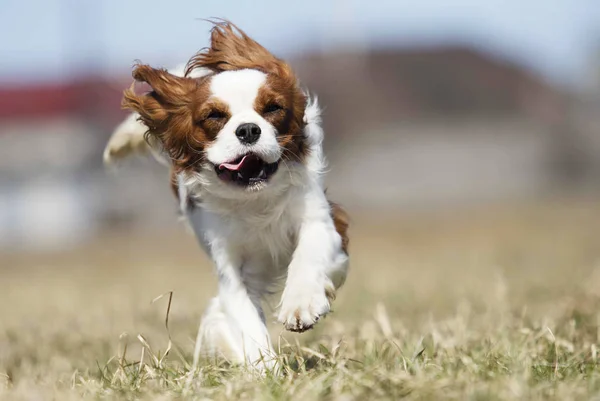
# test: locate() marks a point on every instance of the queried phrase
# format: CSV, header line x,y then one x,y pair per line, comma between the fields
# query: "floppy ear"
x,y
231,49
170,94
166,110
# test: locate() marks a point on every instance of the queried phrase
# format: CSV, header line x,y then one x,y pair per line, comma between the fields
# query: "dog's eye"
x,y
216,115
272,108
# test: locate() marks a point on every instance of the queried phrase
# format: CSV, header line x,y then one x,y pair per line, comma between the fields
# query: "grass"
x,y
490,304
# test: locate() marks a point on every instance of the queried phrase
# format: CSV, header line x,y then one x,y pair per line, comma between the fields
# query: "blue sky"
x,y
55,39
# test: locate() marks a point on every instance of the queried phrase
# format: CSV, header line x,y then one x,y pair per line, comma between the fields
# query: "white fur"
x,y
257,239
238,89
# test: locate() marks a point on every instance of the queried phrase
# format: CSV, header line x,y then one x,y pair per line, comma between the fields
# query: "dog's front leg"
x,y
318,267
233,325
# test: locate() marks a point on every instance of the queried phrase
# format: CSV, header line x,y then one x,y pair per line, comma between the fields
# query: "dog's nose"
x,y
248,133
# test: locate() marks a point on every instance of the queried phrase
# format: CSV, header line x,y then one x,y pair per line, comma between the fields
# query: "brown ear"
x,y
166,110
231,49
170,94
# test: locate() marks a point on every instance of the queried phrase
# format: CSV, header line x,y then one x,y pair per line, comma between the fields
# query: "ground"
x,y
493,303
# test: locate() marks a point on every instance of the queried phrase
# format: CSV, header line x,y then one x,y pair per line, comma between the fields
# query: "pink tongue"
x,y
233,167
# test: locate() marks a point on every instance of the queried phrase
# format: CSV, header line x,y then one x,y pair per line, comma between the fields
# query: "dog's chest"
x,y
273,237
269,236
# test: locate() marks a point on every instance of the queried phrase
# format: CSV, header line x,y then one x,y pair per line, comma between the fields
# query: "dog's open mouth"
x,y
246,170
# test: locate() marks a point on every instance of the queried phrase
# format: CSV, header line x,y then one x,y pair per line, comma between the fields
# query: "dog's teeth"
x,y
263,174
239,176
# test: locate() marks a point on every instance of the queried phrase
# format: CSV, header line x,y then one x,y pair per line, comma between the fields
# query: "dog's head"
x,y
232,127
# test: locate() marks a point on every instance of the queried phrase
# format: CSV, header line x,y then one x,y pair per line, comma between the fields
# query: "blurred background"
x,y
427,104
463,138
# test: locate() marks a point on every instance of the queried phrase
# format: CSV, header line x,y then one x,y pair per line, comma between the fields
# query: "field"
x,y
496,303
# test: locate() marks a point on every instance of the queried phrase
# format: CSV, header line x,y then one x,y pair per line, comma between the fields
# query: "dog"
x,y
244,145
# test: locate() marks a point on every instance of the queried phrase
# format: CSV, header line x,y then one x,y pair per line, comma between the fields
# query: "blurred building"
x,y
54,189
450,124
403,126
414,83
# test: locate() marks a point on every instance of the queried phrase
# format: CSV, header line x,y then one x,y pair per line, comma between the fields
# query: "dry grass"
x,y
490,304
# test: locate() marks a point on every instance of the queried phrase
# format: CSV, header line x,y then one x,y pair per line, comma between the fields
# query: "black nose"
x,y
248,133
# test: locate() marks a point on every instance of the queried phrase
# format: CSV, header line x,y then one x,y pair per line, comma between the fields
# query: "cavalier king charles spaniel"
x,y
244,145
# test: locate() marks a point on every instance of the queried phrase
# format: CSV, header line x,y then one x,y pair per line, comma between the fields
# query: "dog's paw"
x,y
302,308
128,138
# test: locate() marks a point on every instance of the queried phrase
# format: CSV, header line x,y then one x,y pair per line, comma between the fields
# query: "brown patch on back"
x,y
341,220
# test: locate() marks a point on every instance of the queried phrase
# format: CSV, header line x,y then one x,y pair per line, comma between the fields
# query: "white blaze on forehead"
x,y
238,89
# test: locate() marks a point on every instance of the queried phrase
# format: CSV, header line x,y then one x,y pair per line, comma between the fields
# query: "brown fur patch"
x,y
341,221
231,49
282,104
177,113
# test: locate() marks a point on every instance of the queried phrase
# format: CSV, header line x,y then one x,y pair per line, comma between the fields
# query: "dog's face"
x,y
233,127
